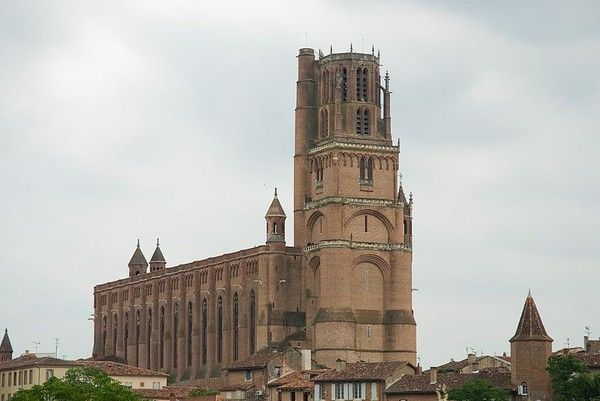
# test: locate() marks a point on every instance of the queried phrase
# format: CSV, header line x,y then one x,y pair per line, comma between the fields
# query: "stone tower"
x,y
138,264
6,350
351,218
530,349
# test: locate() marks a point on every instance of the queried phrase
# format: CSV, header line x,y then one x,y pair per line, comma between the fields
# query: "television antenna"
x,y
36,344
56,341
588,331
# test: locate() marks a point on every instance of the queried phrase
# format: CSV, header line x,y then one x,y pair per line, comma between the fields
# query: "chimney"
x,y
473,363
340,365
586,342
433,375
306,359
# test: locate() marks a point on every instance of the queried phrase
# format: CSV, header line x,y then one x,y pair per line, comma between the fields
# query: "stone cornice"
x,y
353,146
343,200
358,245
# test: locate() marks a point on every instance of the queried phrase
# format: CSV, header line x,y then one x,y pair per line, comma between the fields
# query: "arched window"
x,y
219,329
370,169
364,85
326,86
344,84
204,330
252,324
362,121
148,336
103,334
137,337
175,326
189,334
125,334
114,337
524,389
363,168
161,340
235,325
324,125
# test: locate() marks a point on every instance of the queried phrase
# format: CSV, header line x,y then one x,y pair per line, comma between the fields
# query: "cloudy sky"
x,y
121,120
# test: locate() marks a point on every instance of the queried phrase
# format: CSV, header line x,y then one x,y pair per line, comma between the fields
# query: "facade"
x,y
344,289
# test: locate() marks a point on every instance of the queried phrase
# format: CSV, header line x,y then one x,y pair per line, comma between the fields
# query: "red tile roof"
x,y
120,369
409,384
164,393
32,360
297,380
258,360
362,371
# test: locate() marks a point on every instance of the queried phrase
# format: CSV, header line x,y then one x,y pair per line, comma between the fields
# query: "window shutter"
x,y
351,391
374,395
347,390
363,387
317,393
333,391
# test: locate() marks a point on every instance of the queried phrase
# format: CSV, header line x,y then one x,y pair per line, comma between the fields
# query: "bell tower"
x,y
351,217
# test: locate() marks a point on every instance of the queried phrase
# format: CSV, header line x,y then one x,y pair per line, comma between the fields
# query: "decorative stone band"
x,y
363,316
343,200
357,245
353,146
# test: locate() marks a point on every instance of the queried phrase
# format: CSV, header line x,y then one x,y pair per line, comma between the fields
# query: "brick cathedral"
x,y
343,290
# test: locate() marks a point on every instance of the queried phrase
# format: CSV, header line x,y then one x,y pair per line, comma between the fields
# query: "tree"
x,y
572,380
79,384
478,390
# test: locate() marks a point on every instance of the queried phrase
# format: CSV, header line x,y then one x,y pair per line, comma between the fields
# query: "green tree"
x,y
79,384
572,380
477,390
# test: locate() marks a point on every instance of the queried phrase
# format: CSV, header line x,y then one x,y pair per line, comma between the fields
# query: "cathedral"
x,y
342,290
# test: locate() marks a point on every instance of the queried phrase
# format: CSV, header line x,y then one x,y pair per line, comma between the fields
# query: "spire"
x,y
275,210
157,256
5,346
530,325
401,196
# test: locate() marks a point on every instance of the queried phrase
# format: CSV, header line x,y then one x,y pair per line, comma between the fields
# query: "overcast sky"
x,y
175,119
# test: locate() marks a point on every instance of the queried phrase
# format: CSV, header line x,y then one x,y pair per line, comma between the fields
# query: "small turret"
x,y
6,350
138,264
275,221
157,262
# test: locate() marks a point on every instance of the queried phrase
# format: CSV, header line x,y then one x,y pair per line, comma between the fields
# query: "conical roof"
x,y
6,346
138,257
275,210
530,325
157,256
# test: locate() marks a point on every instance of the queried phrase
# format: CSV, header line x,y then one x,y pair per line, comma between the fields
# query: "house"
x,y
474,363
424,387
248,378
28,370
130,376
359,380
295,386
